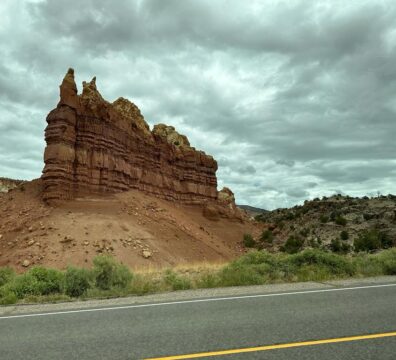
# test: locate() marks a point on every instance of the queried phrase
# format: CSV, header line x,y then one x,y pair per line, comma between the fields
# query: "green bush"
x,y
77,281
340,220
292,245
335,264
304,232
108,273
248,241
38,281
335,245
177,282
289,216
324,219
49,281
388,260
339,247
6,275
7,296
371,240
237,274
344,235
24,285
267,236
257,267
368,216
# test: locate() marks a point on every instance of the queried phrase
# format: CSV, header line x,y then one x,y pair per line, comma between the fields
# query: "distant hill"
x,y
332,223
251,210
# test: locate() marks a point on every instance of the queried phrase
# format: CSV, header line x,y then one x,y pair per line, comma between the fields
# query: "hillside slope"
x,y
320,222
140,230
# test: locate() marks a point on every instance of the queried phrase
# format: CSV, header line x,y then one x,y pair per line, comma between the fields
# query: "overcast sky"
x,y
295,99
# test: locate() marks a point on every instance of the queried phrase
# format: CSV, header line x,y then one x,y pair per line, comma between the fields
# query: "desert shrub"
x,y
368,265
280,225
37,281
339,247
335,245
7,296
334,264
340,220
293,245
267,236
371,240
388,260
6,275
344,235
254,268
304,232
289,216
177,282
108,273
386,241
248,241
77,281
237,274
314,243
24,285
256,258
49,281
367,216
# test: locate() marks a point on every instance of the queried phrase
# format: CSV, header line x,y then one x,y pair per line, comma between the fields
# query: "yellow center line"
x,y
277,346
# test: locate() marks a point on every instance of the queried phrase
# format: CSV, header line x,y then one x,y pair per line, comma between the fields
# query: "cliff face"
x,y
94,146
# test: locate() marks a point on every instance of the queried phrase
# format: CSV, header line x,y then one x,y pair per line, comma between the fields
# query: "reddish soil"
x,y
127,225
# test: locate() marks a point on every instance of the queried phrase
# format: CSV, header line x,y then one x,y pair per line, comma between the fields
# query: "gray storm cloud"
x,y
294,98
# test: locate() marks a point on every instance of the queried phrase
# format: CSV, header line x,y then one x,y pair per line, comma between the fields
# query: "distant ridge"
x,y
251,210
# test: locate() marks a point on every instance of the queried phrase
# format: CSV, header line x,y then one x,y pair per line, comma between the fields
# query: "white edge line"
x,y
195,301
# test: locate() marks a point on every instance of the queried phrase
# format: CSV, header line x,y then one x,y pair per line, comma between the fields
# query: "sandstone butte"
x,y
94,146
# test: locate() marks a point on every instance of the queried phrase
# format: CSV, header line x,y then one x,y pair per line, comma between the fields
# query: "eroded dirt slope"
x,y
140,230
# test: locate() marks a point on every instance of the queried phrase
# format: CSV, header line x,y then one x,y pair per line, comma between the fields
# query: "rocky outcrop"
x,y
7,185
224,207
94,146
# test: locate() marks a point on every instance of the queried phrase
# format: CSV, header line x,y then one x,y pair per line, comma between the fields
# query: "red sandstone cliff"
x,y
94,146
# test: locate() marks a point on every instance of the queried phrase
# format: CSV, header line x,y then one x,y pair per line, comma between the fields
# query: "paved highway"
x,y
359,321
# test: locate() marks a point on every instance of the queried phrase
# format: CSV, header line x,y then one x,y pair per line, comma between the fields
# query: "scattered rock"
x,y
147,254
26,263
66,239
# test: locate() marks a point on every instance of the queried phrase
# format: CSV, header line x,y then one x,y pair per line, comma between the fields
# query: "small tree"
x,y
340,220
293,245
248,241
267,236
344,235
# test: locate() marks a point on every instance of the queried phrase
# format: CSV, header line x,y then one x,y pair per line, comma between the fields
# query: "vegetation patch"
x,y
108,278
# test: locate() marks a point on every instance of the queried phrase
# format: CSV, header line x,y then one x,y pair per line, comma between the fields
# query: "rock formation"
x,y
94,146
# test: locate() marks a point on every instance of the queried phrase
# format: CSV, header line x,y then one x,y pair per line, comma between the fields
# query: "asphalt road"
x,y
210,325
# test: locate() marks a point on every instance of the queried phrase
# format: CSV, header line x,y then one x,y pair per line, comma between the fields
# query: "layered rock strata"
x,y
94,146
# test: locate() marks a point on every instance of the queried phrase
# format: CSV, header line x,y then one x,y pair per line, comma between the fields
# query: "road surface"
x,y
358,319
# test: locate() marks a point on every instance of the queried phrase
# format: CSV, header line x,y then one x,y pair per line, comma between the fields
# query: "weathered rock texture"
x,y
9,184
94,146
